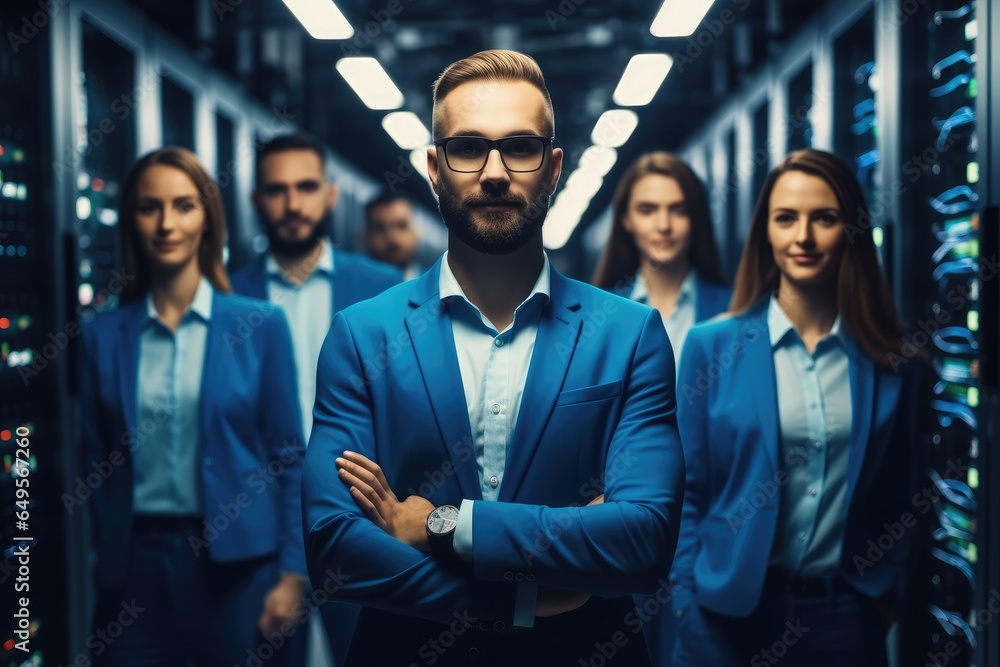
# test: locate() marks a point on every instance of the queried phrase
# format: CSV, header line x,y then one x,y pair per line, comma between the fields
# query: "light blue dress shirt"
x,y
679,323
309,309
166,470
494,366
814,410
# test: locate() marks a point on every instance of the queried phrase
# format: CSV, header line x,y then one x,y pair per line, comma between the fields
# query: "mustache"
x,y
484,200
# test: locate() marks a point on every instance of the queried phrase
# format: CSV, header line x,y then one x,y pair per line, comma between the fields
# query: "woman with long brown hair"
x,y
662,248
797,417
189,400
662,253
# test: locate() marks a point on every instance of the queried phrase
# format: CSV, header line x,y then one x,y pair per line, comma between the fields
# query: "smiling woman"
x,y
825,383
176,217
165,365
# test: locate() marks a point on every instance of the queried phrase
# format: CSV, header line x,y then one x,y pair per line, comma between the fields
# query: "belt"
x,y
781,581
164,523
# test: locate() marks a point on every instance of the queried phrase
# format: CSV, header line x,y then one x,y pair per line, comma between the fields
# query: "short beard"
x,y
295,248
499,233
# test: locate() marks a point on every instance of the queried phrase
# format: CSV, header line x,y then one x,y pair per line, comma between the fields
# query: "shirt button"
x,y
817,446
496,408
494,482
802,537
813,491
207,460
498,342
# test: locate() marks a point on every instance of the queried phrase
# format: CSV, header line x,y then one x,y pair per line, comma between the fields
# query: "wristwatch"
x,y
441,524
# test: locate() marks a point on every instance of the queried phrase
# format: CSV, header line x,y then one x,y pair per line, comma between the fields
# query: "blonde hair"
x,y
492,65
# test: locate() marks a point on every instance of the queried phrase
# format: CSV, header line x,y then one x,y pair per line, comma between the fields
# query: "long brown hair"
x,y
863,298
619,261
212,241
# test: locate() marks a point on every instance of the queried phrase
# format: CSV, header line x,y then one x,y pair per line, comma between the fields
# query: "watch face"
x,y
443,520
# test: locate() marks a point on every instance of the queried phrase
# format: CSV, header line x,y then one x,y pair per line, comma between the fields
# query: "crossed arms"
x,y
619,547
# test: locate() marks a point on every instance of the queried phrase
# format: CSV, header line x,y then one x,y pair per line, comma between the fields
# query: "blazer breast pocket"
x,y
588,394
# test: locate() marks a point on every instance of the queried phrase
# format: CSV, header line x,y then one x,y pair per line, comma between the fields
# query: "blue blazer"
x,y
356,278
729,424
250,435
597,416
712,298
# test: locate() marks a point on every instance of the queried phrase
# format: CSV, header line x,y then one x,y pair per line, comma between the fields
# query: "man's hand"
x,y
553,601
406,520
281,603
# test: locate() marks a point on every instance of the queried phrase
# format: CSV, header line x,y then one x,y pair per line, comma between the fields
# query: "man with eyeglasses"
x,y
508,469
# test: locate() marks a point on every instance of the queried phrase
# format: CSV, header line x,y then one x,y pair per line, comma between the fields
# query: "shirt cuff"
x,y
524,605
462,540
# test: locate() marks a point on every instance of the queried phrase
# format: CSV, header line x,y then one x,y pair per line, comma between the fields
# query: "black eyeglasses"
x,y
520,153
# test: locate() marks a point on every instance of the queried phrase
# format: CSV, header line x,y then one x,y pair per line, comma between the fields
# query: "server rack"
x,y
33,346
905,90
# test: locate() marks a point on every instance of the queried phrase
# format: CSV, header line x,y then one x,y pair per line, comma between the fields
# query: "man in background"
x,y
310,281
389,233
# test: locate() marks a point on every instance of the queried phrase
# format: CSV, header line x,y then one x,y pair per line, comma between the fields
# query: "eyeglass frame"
x,y
494,145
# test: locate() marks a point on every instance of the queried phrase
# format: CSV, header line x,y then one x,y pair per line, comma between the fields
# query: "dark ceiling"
x,y
581,45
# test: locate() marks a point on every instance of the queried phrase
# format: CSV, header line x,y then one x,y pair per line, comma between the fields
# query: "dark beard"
x,y
493,233
297,248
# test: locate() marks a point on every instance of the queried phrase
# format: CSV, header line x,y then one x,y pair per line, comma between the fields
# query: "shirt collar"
x,y
324,263
200,306
640,290
780,327
448,287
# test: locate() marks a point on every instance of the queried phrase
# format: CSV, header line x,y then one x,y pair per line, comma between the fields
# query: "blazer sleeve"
x,y
692,417
373,568
625,545
281,426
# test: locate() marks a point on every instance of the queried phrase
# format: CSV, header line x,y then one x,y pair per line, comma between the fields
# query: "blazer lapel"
x,y
862,379
212,367
258,281
760,358
345,284
434,346
133,317
555,343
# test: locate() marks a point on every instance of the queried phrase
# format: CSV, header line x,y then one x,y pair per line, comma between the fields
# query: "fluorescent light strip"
x,y
679,18
418,158
406,130
371,83
642,78
614,127
321,18
598,159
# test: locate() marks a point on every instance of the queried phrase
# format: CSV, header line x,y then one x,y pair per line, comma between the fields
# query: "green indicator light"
x,y
878,234
972,172
972,320
973,553
973,478
973,397
973,88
